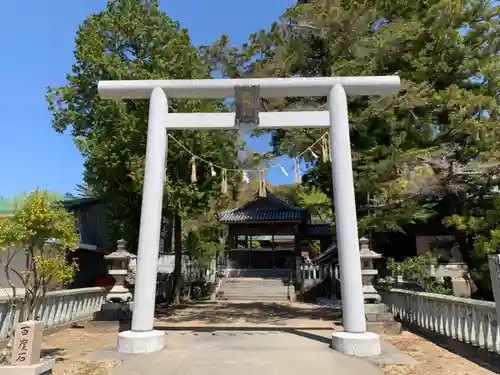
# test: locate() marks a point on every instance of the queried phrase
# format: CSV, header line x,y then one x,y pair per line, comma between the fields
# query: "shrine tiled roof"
x,y
318,230
327,255
269,208
256,216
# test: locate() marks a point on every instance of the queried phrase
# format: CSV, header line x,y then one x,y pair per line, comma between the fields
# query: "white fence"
x,y
470,321
311,272
166,265
60,307
317,272
193,273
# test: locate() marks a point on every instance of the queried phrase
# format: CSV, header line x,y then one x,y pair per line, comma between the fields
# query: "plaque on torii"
x,y
247,103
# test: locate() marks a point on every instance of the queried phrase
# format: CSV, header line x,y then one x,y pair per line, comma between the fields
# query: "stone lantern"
x,y
378,317
368,271
119,260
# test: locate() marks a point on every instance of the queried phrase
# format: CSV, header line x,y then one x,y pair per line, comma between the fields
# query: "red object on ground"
x,y
104,281
108,280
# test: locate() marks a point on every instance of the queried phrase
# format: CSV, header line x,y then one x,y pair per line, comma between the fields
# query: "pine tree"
x,y
445,115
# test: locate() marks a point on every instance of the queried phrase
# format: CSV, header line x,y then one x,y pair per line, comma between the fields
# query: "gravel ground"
x,y
432,359
71,346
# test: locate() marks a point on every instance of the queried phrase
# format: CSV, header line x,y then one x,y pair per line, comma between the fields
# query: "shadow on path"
x,y
302,332
249,312
53,353
256,328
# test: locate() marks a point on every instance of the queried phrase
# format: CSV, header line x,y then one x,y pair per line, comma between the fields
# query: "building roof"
x,y
327,255
318,230
72,203
269,208
9,206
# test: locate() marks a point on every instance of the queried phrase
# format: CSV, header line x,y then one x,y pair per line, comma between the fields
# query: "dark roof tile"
x,y
263,209
258,216
327,255
319,230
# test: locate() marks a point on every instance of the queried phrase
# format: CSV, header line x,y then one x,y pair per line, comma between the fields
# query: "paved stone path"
x,y
248,338
244,352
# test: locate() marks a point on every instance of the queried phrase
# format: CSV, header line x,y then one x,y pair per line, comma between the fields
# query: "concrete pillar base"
x,y
365,344
133,342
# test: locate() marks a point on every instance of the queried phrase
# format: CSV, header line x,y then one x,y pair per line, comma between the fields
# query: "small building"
x,y
91,224
268,234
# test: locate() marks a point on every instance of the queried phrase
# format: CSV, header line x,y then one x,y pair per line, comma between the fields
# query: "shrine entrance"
x,y
269,237
142,337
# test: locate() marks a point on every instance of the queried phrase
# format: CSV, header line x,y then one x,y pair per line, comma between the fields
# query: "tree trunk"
x,y
190,280
167,235
178,259
167,231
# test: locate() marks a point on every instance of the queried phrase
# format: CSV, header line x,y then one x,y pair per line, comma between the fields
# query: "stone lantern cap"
x,y
365,252
121,253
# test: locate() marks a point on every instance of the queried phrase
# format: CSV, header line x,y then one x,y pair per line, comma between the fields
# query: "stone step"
x,y
250,281
256,273
222,293
257,282
229,293
271,283
252,295
254,299
255,286
254,289
232,293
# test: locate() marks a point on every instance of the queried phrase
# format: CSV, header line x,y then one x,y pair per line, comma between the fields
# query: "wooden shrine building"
x,y
268,233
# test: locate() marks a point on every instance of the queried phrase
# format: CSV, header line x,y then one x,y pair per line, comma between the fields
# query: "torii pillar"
x,y
142,337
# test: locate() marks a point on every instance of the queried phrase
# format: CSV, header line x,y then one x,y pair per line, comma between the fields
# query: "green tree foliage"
x,y
308,197
85,191
9,205
432,148
444,51
201,249
43,234
127,41
417,269
480,227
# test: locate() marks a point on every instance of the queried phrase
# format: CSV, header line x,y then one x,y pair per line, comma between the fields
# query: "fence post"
x,y
494,266
298,269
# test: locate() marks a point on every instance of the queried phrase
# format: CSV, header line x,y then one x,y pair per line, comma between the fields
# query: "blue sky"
x,y
37,38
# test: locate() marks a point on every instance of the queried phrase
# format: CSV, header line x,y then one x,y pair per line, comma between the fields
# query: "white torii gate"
x,y
142,338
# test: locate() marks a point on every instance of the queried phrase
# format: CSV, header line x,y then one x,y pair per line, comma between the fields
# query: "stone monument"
x,y
25,358
378,318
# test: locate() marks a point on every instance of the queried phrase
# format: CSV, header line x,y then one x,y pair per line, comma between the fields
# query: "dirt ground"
x,y
432,359
71,346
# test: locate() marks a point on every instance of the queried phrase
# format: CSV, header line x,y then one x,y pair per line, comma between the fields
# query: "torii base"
x,y
133,342
365,344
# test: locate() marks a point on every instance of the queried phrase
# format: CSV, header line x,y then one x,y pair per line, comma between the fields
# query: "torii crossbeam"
x,y
142,337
